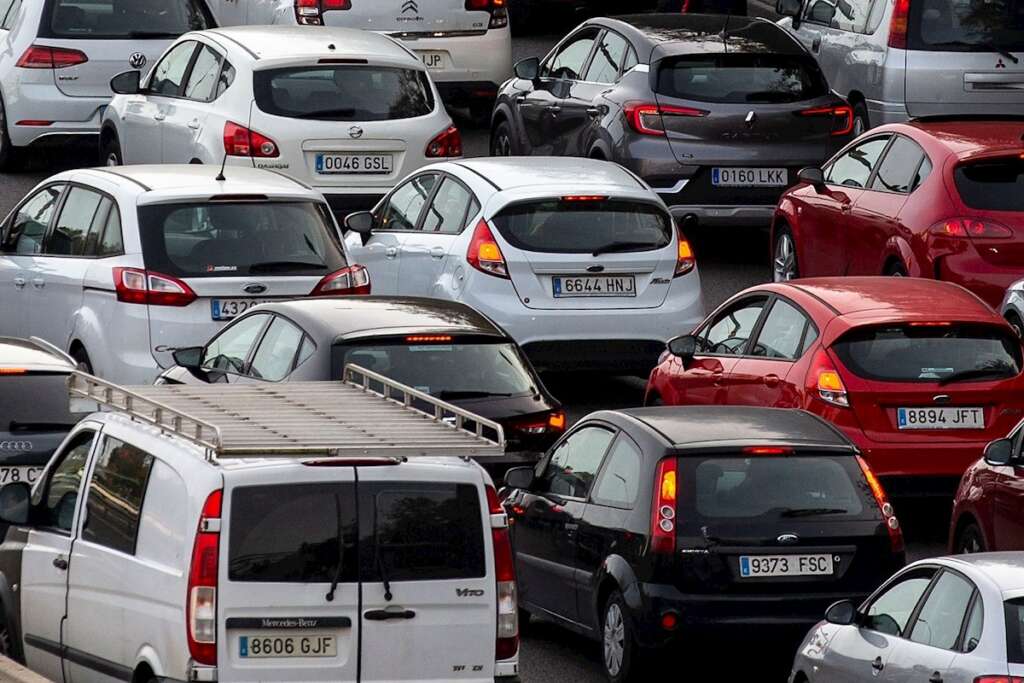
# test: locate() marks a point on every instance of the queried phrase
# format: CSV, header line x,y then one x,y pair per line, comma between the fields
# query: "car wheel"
x,y
9,157
501,141
860,119
969,540
784,266
111,153
896,269
82,361
1015,323
618,648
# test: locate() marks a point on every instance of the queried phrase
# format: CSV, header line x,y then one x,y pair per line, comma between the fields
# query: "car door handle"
x,y
877,664
389,614
846,208
771,380
553,108
38,282
936,677
159,116
391,252
194,124
60,563
594,112
19,282
437,252
520,99
816,44
717,376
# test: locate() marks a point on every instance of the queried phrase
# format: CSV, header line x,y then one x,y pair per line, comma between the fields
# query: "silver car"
x,y
1013,306
896,59
945,620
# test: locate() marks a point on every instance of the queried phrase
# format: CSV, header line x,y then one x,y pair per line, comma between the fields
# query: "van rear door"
x,y
417,16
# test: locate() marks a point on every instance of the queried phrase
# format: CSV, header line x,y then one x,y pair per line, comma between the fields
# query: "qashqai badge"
x,y
137,60
355,132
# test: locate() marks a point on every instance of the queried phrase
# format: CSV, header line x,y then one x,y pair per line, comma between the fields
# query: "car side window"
x,y
629,59
568,63
11,15
69,235
112,242
922,174
227,77
474,209
202,81
620,478
820,12
851,15
277,351
897,172
60,495
170,72
854,168
403,208
575,462
604,68
99,222
117,491
28,229
229,351
729,332
975,625
447,213
890,611
940,619
782,334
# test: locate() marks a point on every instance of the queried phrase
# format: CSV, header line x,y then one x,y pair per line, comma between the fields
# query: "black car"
x,y
442,348
642,526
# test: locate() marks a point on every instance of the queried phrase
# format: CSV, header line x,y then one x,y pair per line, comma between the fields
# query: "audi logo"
x,y
16,446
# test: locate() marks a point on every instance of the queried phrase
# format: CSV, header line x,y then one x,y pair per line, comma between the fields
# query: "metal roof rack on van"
x,y
366,414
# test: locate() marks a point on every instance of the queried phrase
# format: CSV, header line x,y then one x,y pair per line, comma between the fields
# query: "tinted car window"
x,y
901,353
939,621
90,246
898,170
203,80
992,185
111,243
730,330
741,78
170,72
851,15
291,533
25,236
116,494
582,227
230,349
604,68
575,462
966,25
48,411
57,508
76,217
227,77
975,625
239,239
447,212
402,211
854,168
277,352
891,611
1014,615
922,174
782,332
125,18
568,63
620,478
344,92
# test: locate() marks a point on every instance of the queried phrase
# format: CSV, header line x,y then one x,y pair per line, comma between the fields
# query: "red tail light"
x,y
554,424
970,228
663,512
484,253
42,57
310,12
447,144
888,514
685,260
201,604
647,119
842,117
506,643
997,678
898,24
137,286
354,279
768,450
239,141
497,8
825,383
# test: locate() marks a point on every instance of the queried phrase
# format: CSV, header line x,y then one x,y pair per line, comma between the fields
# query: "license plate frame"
x,y
560,291
354,163
439,60
236,305
10,474
785,566
749,176
253,646
910,417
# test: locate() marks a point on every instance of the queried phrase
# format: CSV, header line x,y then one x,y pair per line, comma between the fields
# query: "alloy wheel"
x,y
112,159
858,126
614,639
784,265
502,145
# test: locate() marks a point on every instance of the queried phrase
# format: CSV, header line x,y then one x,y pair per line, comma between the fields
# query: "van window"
x,y
92,19
741,78
1014,615
992,184
966,25
116,493
56,509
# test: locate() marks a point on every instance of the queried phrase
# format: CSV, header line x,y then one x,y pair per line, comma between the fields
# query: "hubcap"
x,y
858,126
971,545
614,640
503,146
784,267
112,160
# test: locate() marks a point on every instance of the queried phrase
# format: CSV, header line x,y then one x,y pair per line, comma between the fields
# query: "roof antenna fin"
x,y
220,176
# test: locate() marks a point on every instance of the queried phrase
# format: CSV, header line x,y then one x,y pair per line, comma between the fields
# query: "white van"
x,y
299,532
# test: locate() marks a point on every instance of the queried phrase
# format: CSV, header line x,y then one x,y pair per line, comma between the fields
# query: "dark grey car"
x,y
716,113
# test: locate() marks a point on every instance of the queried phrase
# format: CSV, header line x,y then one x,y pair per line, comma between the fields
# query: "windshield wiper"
x,y
326,113
152,34
622,246
451,394
341,552
976,373
984,45
285,265
811,512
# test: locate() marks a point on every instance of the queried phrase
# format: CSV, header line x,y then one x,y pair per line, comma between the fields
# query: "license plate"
x,y
940,418
336,164
757,566
748,177
434,60
593,285
250,647
226,309
9,475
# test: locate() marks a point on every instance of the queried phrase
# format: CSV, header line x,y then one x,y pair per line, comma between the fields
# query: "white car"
x,y
78,270
577,259
57,58
466,44
347,112
268,542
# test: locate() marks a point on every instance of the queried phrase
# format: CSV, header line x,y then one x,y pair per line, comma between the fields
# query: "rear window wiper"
x,y
811,512
983,45
623,246
443,395
336,579
152,34
284,265
976,373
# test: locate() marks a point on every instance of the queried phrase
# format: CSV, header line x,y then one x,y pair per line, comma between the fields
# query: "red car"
x,y
919,374
988,503
934,199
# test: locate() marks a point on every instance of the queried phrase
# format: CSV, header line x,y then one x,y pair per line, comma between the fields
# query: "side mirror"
x,y
842,613
519,478
528,69
127,83
999,452
813,177
684,347
15,501
189,357
360,222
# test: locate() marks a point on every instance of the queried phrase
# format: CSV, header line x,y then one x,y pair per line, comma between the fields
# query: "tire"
x,y
82,360
969,540
784,263
1015,323
110,154
10,157
896,269
861,122
618,647
502,142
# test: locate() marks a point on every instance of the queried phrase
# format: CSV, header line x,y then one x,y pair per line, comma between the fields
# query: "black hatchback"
x,y
642,525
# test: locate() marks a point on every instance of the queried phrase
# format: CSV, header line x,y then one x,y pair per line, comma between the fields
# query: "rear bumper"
x,y
485,58
988,281
933,460
627,356
465,93
70,117
724,216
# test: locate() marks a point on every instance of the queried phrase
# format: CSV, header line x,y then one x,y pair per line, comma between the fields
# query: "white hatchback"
x,y
347,112
78,270
577,259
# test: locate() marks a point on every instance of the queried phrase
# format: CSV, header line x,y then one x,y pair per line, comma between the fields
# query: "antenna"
x,y
220,176
725,31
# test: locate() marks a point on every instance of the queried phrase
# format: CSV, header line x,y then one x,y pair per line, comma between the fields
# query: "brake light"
x,y
239,141
884,506
484,253
898,24
354,279
555,423
960,228
201,605
999,679
584,198
663,514
497,8
647,119
448,143
685,260
137,286
43,57
826,381
428,339
506,643
310,12
842,117
768,450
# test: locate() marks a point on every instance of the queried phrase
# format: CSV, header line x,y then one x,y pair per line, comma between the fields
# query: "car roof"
x,y
187,179
506,173
706,427
969,136
705,33
890,297
29,355
1004,569
275,42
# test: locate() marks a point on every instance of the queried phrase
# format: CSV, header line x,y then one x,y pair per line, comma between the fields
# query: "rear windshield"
x,y
344,93
239,239
48,411
1014,610
930,353
966,25
449,370
585,227
125,19
993,185
783,487
741,78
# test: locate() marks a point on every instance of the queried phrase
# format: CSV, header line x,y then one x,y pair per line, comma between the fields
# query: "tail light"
x,y
447,144
484,253
768,450
137,286
841,115
497,8
43,57
898,24
998,678
201,606
506,643
647,119
825,379
663,513
959,228
239,141
311,12
685,260
555,423
353,279
888,514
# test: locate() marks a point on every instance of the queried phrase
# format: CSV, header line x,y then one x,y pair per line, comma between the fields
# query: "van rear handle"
x,y
389,613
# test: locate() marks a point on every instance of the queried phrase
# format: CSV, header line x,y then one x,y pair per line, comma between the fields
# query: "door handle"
x,y
19,282
159,116
38,282
846,208
594,112
60,563
877,664
437,252
389,614
553,108
194,124
520,99
816,44
771,380
936,677
717,376
391,252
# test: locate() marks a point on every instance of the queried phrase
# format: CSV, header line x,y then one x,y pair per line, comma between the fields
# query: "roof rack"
x,y
365,414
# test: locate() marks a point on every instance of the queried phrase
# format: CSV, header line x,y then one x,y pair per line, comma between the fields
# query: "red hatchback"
x,y
988,503
919,374
935,199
